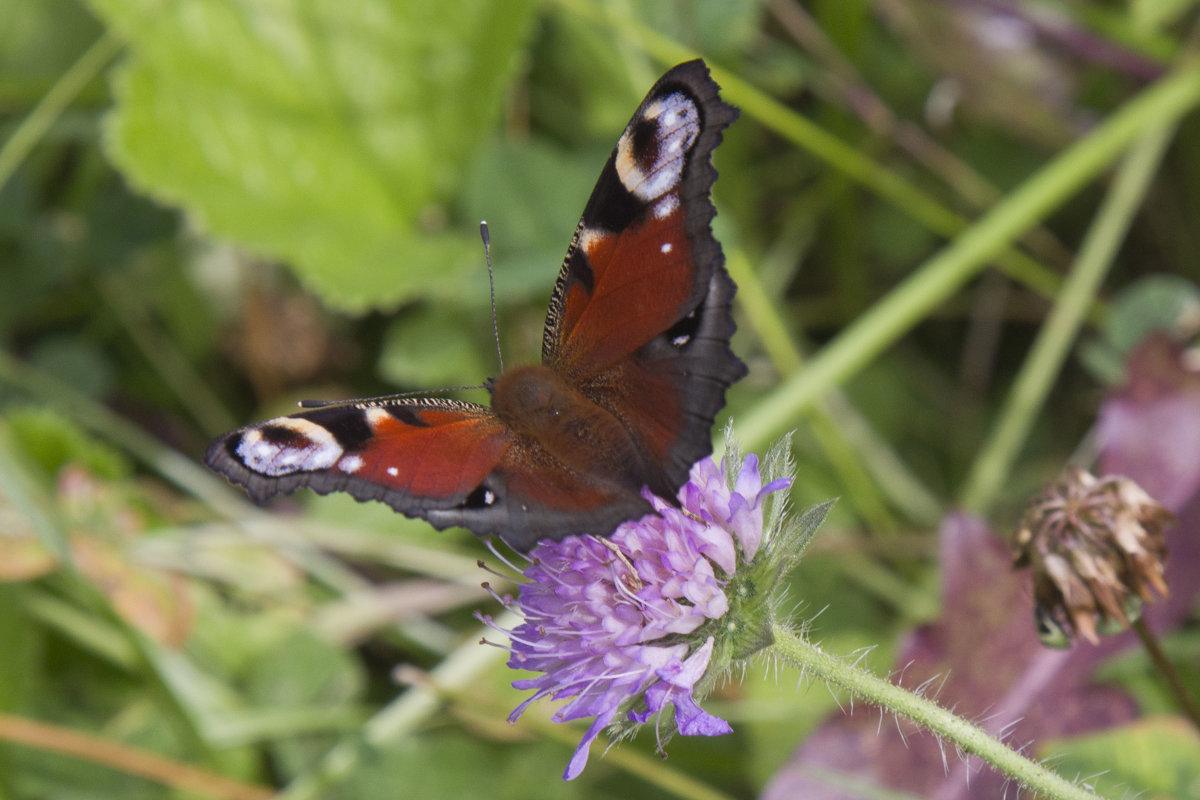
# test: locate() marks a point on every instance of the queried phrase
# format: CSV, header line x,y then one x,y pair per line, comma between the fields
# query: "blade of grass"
x,y
174,467
54,102
126,759
844,433
164,356
947,271
1038,373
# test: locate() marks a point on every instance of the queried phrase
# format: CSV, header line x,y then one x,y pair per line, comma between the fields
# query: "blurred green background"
x,y
210,209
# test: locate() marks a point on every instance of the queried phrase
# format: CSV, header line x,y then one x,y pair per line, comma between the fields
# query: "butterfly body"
x,y
538,404
635,363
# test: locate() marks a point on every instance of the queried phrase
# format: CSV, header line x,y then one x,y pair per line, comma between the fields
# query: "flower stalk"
x,y
1164,666
966,736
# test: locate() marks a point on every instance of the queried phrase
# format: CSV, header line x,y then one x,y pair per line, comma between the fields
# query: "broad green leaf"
x,y
331,135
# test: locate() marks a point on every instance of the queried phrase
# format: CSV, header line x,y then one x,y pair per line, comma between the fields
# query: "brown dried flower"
x,y
1096,546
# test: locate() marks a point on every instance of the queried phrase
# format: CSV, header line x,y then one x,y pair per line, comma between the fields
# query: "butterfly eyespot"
x,y
482,497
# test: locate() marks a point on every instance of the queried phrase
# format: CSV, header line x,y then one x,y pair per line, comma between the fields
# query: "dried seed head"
x,y
1096,547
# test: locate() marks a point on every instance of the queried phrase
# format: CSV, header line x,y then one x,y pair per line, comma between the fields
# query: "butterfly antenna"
x,y
487,255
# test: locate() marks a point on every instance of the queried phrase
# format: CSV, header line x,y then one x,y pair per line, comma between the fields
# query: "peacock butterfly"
x,y
635,364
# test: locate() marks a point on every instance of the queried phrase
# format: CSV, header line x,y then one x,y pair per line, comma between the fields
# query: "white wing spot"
x,y
489,497
666,248
351,464
665,207
393,471
376,415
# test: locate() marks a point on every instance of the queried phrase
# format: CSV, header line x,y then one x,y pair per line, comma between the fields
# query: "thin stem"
x,y
848,440
1167,670
964,735
129,760
970,252
180,470
1044,364
54,102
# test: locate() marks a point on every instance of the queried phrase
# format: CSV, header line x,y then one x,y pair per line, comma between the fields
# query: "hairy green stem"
x,y
966,736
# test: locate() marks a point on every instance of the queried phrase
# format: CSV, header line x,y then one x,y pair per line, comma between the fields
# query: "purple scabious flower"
x,y
629,625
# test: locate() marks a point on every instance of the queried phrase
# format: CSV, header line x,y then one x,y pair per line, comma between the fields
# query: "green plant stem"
x,y
848,439
970,252
1053,345
1167,670
965,736
54,102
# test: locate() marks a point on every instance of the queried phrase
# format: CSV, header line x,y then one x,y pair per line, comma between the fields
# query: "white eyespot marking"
x,y
666,248
666,207
393,471
649,175
351,464
681,340
310,447
489,497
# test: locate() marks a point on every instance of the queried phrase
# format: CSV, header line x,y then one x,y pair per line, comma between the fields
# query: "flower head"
x,y
1096,547
642,622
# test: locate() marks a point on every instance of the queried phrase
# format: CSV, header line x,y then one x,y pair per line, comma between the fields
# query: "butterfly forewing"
x,y
414,455
641,312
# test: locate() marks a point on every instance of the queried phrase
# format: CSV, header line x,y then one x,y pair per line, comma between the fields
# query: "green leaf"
x,y
301,669
328,134
440,764
53,440
1152,758
1149,16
